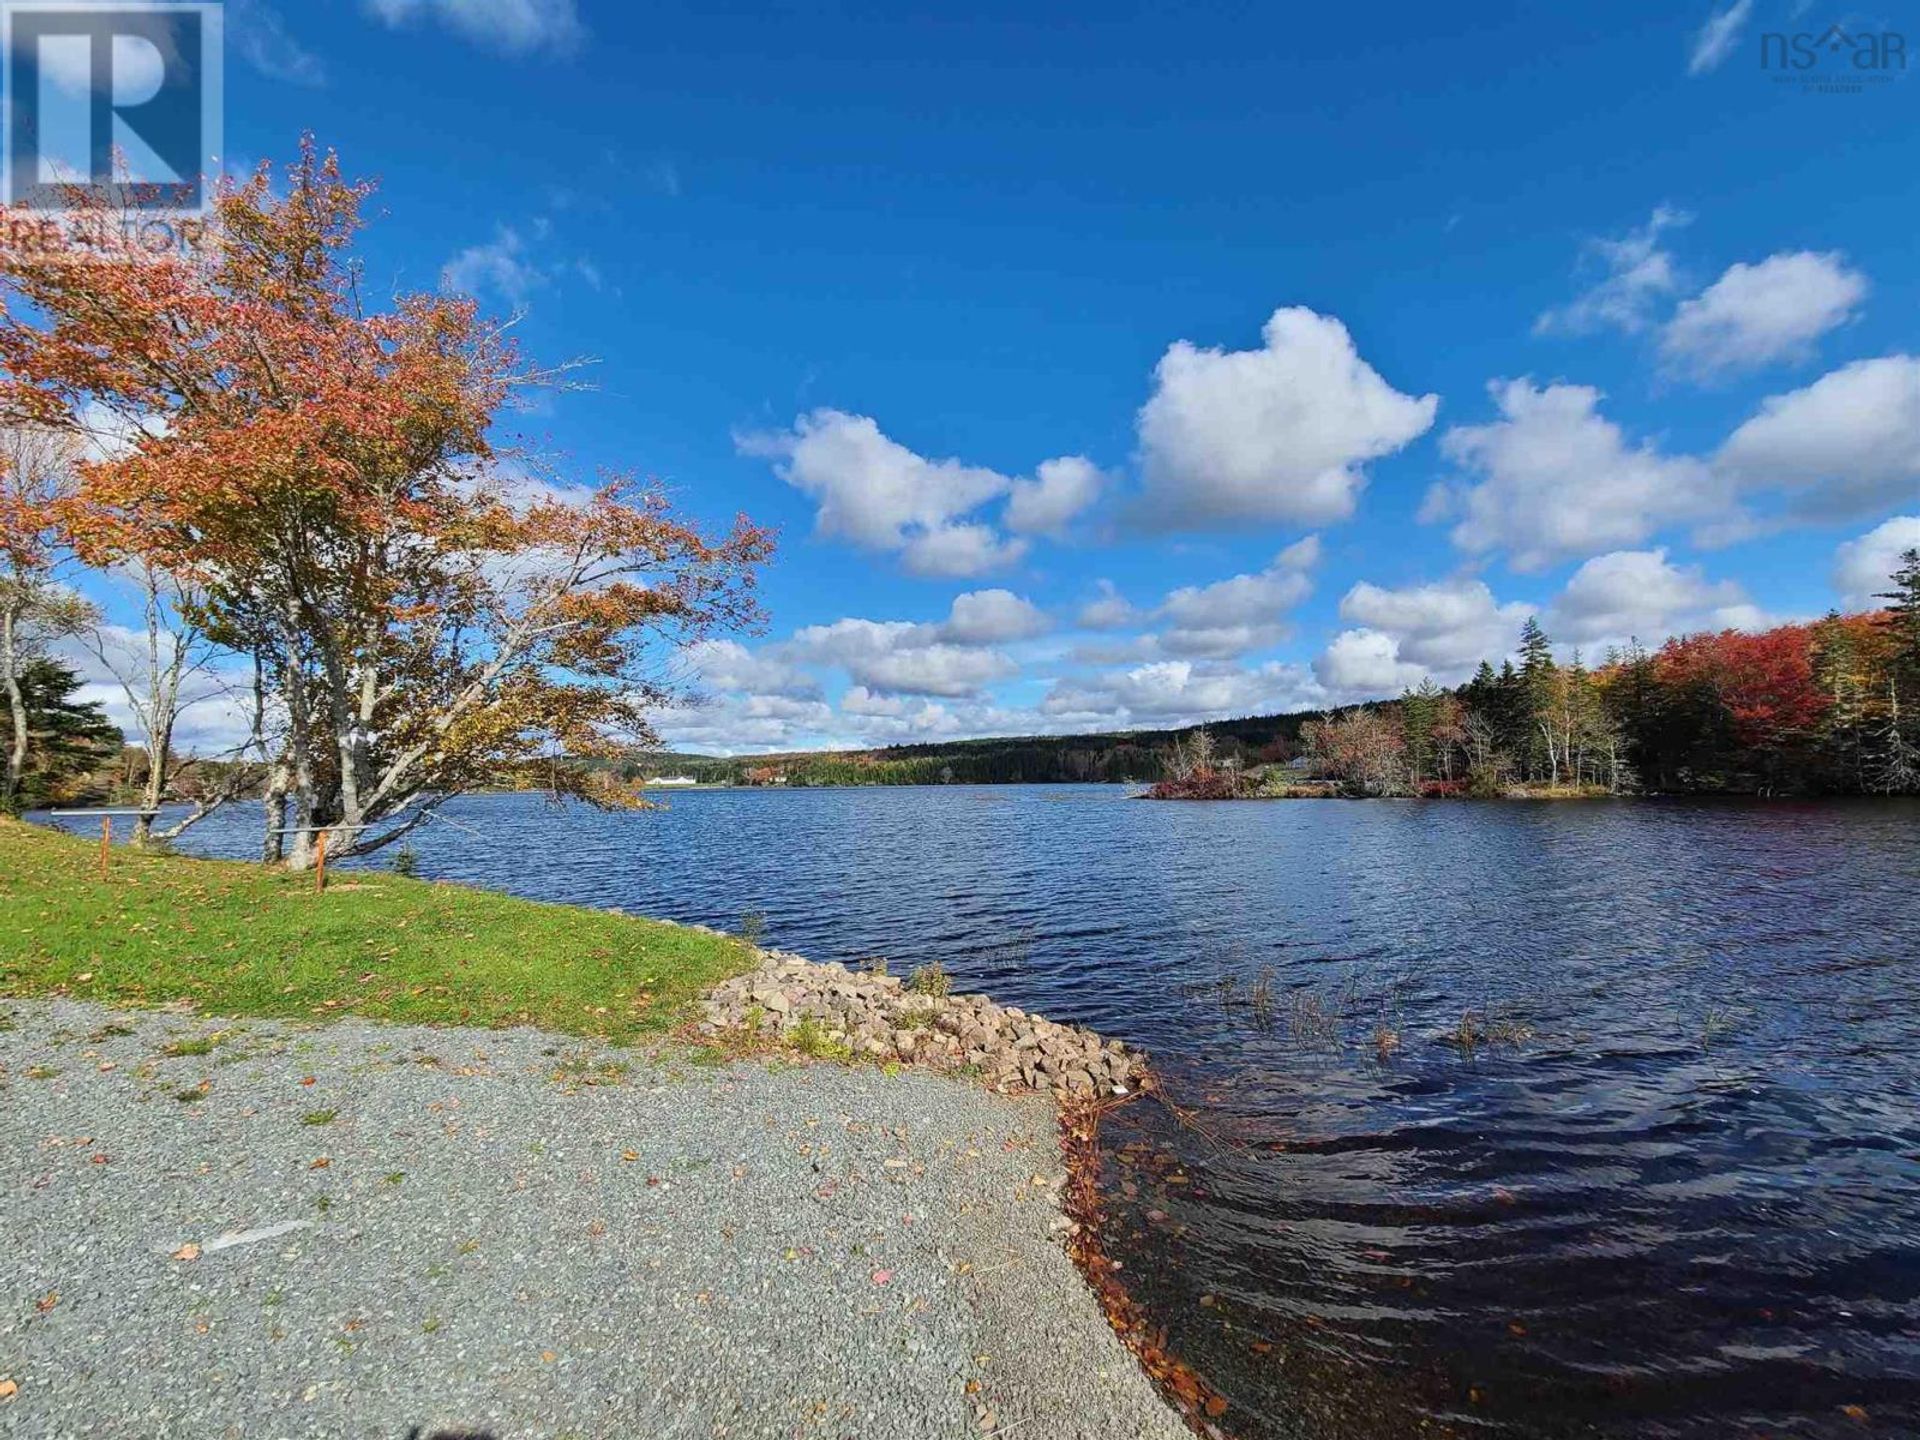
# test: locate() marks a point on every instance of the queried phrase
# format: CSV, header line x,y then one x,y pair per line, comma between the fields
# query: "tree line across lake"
x,y
1831,707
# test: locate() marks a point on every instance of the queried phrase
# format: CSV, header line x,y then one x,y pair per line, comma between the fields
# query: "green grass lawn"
x,y
237,939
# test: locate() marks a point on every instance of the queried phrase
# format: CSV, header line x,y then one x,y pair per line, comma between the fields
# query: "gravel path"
x,y
450,1229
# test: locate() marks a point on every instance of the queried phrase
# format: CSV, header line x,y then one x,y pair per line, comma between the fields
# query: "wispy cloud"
x,y
261,38
501,267
1639,278
518,27
1716,39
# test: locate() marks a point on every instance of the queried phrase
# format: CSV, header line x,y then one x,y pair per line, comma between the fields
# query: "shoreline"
x,y
114,1042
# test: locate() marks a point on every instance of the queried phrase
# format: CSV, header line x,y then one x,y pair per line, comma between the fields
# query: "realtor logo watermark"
x,y
113,122
1834,61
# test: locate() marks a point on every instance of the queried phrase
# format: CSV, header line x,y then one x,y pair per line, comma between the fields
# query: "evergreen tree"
x,y
1510,712
1903,611
67,739
1418,710
1540,697
1897,763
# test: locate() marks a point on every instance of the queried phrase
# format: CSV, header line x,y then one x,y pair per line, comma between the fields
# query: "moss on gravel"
x,y
238,939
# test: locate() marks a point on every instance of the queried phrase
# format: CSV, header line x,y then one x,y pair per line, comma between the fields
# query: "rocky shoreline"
x,y
866,1015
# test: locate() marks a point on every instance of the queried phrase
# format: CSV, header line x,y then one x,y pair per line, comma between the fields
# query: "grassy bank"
x,y
239,940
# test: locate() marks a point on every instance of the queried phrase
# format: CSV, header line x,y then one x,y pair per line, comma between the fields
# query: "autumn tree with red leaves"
x,y
427,611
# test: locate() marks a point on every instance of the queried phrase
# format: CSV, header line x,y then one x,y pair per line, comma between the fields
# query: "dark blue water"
x,y
1516,1119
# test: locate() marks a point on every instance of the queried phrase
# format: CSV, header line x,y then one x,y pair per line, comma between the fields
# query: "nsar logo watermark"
x,y
113,125
1835,61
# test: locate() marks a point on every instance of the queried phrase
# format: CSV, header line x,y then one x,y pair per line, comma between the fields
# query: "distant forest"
x,y
1831,707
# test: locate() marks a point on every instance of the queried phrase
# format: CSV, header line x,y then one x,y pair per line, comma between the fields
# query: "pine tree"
x,y
1419,709
1540,698
1903,611
67,738
1897,765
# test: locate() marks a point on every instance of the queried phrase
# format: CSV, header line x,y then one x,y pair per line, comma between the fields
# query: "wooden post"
x,y
320,862
106,840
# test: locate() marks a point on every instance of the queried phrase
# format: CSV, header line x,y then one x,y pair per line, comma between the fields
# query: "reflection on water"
x,y
1525,1119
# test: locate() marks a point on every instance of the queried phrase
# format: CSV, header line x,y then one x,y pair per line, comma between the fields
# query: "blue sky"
x,y
1136,364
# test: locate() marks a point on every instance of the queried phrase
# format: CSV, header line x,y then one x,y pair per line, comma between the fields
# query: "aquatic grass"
x,y
238,939
1487,1028
1262,998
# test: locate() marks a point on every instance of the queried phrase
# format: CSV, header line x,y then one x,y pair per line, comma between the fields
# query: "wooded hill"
x,y
1132,756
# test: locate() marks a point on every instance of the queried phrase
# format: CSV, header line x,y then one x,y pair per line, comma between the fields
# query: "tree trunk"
x,y
17,707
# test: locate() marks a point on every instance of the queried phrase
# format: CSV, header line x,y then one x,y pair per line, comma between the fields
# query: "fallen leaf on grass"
x,y
188,1251
322,1163
8,1389
47,1301
881,1277
629,1155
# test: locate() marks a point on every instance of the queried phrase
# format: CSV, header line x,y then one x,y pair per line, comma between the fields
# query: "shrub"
x,y
931,979
811,1038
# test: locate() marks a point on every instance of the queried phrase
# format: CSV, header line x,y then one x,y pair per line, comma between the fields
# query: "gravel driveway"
x,y
359,1230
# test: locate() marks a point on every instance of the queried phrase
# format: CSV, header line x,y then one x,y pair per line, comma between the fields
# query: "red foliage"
x,y
1765,681
1202,785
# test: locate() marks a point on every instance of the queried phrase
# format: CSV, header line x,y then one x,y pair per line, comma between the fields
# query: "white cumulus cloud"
x,y
1640,594
1863,567
1241,613
900,657
1059,492
961,550
992,617
1365,664
1553,478
729,665
1179,692
1111,611
876,493
1281,433
1754,315
1447,627
1843,447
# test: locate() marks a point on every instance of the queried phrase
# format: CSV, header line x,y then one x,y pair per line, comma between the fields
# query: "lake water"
x,y
1663,1180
